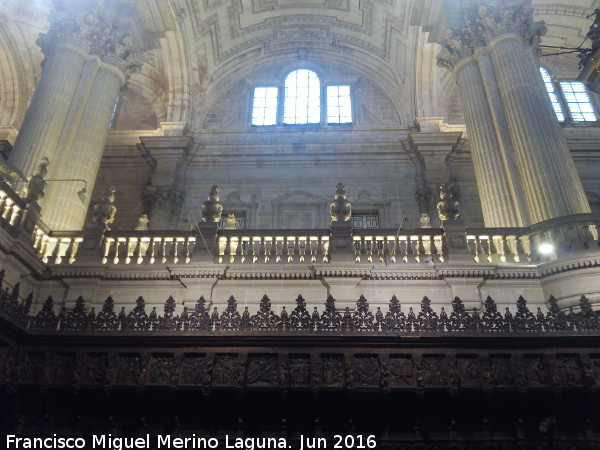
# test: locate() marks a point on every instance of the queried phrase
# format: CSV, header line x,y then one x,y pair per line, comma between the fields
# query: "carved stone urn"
x,y
447,208
211,208
340,209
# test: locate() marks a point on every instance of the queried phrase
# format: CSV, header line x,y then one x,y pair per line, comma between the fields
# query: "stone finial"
x,y
36,184
340,209
104,211
231,222
447,207
211,208
142,223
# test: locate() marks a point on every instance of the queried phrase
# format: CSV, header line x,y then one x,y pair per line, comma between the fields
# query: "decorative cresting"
x,y
211,208
36,184
104,211
340,209
482,23
361,319
447,207
96,32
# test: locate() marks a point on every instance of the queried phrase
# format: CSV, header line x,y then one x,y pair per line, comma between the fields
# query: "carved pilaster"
x,y
162,205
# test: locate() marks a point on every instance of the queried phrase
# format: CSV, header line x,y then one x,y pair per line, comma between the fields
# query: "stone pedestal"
x,y
341,241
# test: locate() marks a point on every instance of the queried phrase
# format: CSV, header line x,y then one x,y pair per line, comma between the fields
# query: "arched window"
x,y
302,103
307,100
573,95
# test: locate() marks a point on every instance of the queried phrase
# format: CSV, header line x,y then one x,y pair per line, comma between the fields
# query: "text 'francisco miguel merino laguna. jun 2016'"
x,y
149,442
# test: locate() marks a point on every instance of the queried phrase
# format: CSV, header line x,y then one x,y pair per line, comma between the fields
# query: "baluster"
x,y
526,244
244,248
8,209
391,247
3,198
357,246
369,241
191,240
131,246
155,241
61,250
325,248
290,248
256,244
593,229
499,242
486,247
438,242
314,242
15,217
142,249
74,248
379,241
233,244
178,243
222,247
49,250
302,247
279,241
473,246
404,247
416,249
38,238
511,243
118,242
426,241
164,249
107,244
268,245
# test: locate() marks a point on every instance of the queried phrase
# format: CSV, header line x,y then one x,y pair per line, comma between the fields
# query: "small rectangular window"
x,y
339,104
365,221
552,94
578,101
264,106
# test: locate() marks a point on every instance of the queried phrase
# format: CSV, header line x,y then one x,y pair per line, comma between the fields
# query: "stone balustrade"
x,y
11,206
270,246
54,247
421,245
148,247
523,245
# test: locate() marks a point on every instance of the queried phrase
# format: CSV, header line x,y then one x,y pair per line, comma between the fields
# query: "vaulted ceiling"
x,y
197,49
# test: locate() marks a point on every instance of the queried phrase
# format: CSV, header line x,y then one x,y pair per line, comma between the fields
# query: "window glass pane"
x,y
551,93
578,101
339,104
264,106
302,103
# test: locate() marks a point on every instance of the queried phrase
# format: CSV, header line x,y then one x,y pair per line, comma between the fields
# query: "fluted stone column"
x,y
86,62
47,114
500,204
524,171
82,158
550,179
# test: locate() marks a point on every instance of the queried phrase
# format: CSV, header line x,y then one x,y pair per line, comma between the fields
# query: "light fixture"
x,y
546,248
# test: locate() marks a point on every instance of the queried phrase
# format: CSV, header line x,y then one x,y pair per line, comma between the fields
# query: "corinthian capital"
x,y
95,31
485,21
455,46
